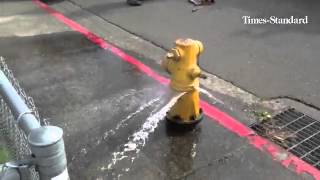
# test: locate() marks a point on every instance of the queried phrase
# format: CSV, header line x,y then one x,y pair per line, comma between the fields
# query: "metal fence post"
x,y
46,142
48,149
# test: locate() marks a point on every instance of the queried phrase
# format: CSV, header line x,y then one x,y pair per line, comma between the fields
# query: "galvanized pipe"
x,y
23,115
46,142
47,147
10,174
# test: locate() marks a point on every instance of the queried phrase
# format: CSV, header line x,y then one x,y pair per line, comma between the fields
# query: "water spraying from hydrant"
x,y
138,140
182,104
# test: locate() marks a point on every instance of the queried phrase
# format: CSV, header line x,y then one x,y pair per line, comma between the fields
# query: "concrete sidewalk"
x,y
101,101
270,61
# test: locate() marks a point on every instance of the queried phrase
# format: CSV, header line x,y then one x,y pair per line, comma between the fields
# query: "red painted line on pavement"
x,y
102,43
227,121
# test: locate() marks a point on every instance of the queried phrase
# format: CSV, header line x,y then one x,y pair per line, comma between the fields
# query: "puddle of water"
x,y
138,140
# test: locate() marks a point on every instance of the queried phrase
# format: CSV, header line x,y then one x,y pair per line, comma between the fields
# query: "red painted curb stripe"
x,y
225,120
103,44
214,113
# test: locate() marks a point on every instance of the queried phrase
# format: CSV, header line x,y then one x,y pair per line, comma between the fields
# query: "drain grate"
x,y
294,131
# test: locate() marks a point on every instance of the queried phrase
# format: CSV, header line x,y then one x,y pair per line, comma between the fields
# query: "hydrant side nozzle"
x,y
170,55
200,46
174,54
195,73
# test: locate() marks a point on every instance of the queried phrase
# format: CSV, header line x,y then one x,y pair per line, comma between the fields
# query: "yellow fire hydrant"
x,y
181,63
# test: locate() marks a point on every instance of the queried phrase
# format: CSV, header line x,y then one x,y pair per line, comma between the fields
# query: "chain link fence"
x,y
15,139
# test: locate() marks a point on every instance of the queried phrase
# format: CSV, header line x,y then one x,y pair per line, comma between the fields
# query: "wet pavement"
x,y
112,116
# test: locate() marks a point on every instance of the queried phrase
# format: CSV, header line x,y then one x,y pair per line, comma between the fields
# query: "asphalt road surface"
x,y
268,60
103,104
112,114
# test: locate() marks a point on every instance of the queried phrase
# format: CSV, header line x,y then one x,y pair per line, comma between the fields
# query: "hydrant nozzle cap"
x,y
170,55
200,45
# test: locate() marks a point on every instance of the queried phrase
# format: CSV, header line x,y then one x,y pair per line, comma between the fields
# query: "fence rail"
x,y
18,119
15,138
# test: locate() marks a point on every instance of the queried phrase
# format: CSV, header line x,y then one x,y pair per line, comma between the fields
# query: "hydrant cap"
x,y
190,42
184,42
